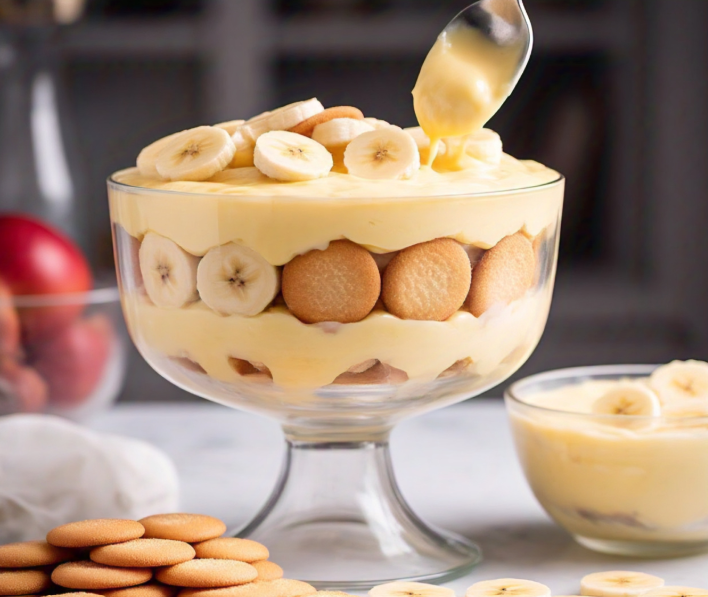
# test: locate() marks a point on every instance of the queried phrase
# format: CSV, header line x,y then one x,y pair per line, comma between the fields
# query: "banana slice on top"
x,y
680,380
509,587
340,131
383,154
618,583
423,142
195,154
235,280
281,119
676,591
377,123
148,155
169,272
628,398
291,157
484,145
230,126
410,589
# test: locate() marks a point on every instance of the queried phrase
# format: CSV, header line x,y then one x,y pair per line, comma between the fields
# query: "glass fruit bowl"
x,y
346,316
620,484
62,354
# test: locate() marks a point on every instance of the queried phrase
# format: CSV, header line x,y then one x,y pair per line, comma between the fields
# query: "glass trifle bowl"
x,y
362,324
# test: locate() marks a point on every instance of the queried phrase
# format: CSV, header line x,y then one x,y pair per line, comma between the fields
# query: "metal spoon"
x,y
504,23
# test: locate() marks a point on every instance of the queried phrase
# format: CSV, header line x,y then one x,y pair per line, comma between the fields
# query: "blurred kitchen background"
x,y
615,97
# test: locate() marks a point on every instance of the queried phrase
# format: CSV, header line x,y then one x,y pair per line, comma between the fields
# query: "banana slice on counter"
x,y
169,272
618,584
384,154
410,589
281,119
509,587
291,157
628,398
340,131
195,154
235,280
148,155
680,380
484,145
676,591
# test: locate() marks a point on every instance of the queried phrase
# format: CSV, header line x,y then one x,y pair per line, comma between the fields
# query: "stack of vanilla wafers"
x,y
166,555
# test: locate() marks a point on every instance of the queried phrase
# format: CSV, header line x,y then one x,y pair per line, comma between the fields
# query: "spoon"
x,y
472,68
503,22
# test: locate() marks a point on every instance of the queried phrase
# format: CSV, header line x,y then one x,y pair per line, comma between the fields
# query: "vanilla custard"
x,y
614,478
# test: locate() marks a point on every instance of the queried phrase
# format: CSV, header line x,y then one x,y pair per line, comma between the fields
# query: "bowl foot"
x,y
338,521
643,549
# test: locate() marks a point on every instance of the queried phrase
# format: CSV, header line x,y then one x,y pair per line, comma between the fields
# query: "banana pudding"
x,y
309,252
618,456
321,276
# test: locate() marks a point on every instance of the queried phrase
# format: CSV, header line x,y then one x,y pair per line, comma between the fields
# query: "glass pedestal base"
x,y
338,521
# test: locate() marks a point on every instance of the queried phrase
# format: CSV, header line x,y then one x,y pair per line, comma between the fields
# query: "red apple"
x,y
73,360
9,324
22,389
37,259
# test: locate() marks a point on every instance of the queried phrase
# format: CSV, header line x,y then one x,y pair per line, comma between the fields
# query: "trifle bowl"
x,y
338,273
339,388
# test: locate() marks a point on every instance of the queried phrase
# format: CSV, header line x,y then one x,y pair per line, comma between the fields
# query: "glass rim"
x,y
111,182
588,372
96,296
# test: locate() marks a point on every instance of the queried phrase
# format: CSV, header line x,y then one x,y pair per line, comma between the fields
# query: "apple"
x,y
74,359
9,324
38,259
22,389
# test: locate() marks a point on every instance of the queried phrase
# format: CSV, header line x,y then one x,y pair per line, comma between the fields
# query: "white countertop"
x,y
456,467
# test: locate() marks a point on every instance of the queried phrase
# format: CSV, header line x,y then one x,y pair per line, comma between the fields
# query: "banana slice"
x,y
675,591
291,157
148,156
680,380
384,154
230,126
340,131
377,123
281,119
511,587
195,154
410,589
686,408
169,272
628,398
618,584
243,149
291,115
235,280
423,142
484,145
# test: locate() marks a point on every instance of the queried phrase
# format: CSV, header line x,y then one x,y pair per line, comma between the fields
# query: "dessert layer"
x,y
282,220
310,356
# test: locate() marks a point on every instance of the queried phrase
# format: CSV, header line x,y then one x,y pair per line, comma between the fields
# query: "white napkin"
x,y
53,471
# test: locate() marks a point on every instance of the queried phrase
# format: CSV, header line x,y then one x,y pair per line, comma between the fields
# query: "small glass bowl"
x,y
62,354
629,485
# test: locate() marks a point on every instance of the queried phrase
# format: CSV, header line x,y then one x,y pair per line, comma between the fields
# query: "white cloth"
x,y
53,471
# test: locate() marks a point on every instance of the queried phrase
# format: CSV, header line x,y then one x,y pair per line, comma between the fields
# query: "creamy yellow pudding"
x,y
309,248
635,484
282,220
